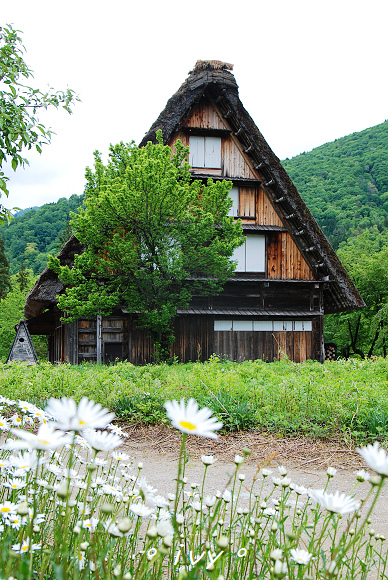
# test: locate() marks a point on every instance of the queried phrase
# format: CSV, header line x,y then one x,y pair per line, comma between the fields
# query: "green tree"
x,y
11,311
5,282
364,332
20,104
153,239
22,278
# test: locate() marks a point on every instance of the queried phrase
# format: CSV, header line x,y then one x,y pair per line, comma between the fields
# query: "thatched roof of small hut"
x,y
48,285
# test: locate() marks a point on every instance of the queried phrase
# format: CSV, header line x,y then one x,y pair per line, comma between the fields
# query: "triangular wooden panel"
x,y
22,349
254,202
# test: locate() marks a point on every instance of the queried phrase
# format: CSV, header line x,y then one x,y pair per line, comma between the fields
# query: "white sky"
x,y
309,71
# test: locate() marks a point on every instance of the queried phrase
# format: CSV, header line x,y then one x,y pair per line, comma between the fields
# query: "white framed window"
x,y
301,325
282,325
234,195
242,325
223,325
250,256
262,325
205,151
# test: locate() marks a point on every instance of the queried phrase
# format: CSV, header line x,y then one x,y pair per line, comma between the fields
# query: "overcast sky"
x,y
309,71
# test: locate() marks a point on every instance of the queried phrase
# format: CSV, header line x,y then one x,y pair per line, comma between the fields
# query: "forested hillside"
x,y
345,183
35,233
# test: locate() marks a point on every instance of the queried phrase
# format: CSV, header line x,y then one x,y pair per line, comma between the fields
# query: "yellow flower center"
x,y
5,509
187,425
24,548
82,423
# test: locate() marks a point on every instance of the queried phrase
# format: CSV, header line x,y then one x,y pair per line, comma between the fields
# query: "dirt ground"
x,y
306,462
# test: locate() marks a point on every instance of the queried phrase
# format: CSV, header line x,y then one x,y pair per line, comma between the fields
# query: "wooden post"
x,y
99,338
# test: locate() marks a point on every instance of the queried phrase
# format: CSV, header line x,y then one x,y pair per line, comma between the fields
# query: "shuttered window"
x,y
263,325
205,152
250,256
234,195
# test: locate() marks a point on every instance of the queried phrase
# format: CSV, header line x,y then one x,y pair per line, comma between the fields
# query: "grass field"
x,y
346,399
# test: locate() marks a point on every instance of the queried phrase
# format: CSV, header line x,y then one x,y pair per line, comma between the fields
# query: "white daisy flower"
x,y
298,489
300,556
102,440
47,438
117,430
362,475
210,500
334,502
54,469
16,420
111,527
15,521
208,459
190,419
25,461
4,424
90,524
159,501
140,510
331,471
117,455
376,457
26,407
88,414
15,484
25,547
163,514
282,470
40,415
164,528
266,472
238,459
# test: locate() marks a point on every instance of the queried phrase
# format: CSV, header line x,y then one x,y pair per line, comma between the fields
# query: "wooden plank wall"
x,y
205,116
284,259
267,346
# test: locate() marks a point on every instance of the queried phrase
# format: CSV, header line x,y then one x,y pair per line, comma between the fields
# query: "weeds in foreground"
x,y
75,507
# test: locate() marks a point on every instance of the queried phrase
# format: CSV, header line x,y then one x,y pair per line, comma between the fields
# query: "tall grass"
x,y
346,399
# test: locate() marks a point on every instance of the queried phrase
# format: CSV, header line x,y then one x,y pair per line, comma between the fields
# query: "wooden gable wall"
x,y
284,260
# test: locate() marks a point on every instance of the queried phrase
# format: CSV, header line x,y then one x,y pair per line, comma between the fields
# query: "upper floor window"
x,y
234,195
205,151
250,256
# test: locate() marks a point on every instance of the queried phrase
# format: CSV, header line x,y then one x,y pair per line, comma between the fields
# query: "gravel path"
x,y
306,462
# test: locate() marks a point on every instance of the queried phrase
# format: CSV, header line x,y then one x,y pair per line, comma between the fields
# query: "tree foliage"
x,y
153,237
364,332
345,183
5,281
11,311
37,232
20,104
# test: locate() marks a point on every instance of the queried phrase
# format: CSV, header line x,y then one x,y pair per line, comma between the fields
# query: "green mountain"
x,y
36,232
345,183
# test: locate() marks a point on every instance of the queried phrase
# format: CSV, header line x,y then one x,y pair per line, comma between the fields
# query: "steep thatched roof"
x,y
213,79
48,285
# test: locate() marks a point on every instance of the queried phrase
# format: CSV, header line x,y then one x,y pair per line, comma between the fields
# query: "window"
x,y
205,152
234,195
242,325
250,256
